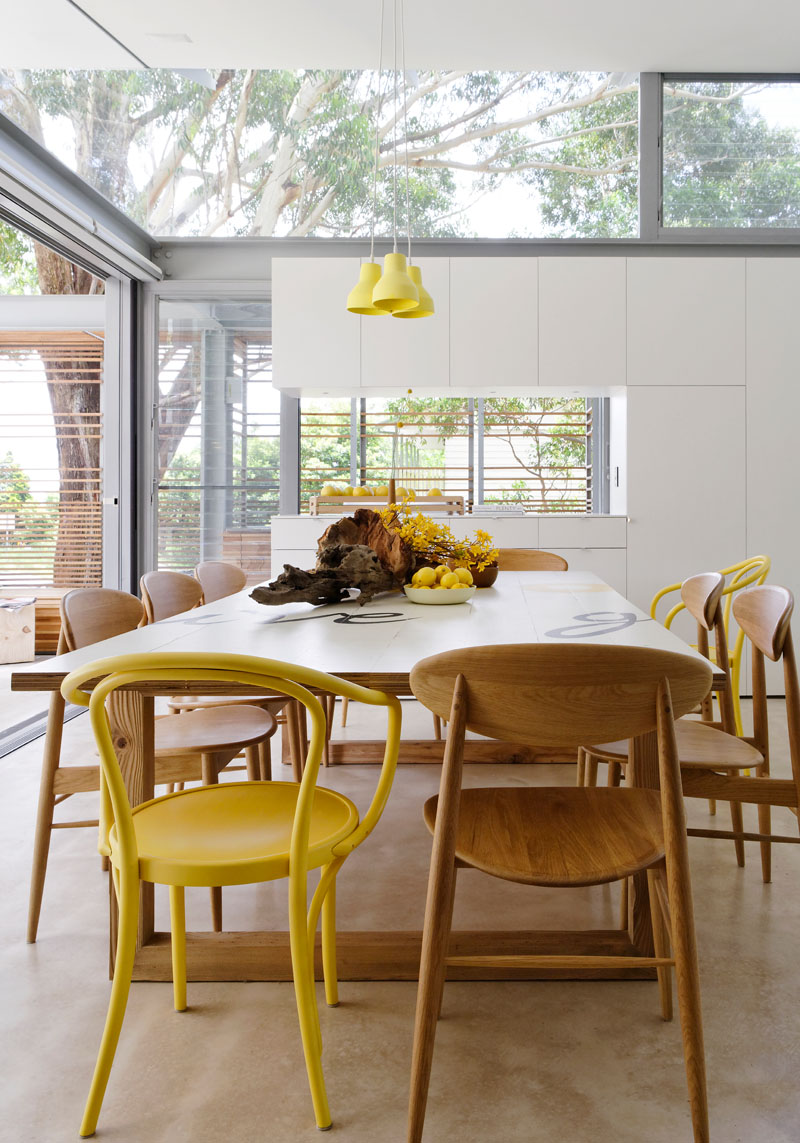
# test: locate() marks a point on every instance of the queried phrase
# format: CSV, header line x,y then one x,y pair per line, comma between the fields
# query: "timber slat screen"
x,y
218,430
50,448
531,453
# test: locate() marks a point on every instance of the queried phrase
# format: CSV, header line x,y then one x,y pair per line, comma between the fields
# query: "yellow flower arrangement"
x,y
434,543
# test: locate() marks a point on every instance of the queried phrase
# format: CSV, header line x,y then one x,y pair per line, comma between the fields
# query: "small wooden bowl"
x,y
486,577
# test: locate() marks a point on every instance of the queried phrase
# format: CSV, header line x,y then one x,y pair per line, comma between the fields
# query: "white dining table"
x,y
375,644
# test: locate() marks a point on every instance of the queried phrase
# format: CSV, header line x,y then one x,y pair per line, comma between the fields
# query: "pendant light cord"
x,y
377,142
394,165
405,118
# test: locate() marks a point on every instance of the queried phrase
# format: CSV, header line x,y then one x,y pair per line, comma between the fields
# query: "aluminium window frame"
x,y
651,193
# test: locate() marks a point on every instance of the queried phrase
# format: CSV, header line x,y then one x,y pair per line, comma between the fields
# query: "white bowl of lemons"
x,y
440,586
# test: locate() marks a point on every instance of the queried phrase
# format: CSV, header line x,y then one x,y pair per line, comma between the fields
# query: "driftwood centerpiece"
x,y
357,551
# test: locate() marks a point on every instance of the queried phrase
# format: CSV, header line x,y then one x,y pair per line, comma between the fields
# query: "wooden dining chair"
x,y
166,594
530,559
556,694
237,833
219,579
194,750
700,743
764,615
738,577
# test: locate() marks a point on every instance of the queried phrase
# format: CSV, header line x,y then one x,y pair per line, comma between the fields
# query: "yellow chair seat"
x,y
241,829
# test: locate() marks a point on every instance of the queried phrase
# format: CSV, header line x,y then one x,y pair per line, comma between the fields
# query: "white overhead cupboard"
x,y
707,349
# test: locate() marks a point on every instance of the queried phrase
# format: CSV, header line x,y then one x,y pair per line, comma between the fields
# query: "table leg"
x,y
642,772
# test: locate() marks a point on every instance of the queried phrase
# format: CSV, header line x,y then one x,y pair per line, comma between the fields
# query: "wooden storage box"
x,y
319,505
17,630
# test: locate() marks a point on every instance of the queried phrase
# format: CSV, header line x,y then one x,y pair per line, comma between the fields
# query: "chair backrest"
x,y
174,672
91,614
556,694
530,559
219,579
702,598
746,573
168,593
764,615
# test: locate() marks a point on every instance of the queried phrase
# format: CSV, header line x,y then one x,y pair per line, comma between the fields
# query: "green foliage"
x,y
15,484
18,273
724,165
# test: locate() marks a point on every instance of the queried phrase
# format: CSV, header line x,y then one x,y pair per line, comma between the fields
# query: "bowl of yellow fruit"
x,y
440,586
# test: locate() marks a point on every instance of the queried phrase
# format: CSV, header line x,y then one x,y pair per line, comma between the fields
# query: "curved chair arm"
x,y
288,678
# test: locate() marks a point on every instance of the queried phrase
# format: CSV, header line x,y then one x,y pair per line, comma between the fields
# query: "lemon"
x,y
401,492
442,569
362,491
329,490
438,587
382,490
434,492
464,576
425,576
450,580
423,587
349,490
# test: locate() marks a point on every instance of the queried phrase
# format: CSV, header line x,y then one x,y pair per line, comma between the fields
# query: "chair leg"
x,y
437,728
177,916
329,947
660,945
265,760
591,770
684,945
624,919
765,826
305,995
435,938
120,987
328,703
737,824
614,773
253,763
712,806
44,813
210,773
580,774
444,974
345,705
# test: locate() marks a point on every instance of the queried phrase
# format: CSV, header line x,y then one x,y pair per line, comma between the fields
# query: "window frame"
x,y
652,105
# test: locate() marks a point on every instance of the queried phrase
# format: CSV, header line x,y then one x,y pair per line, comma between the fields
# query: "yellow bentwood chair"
x,y
747,573
236,833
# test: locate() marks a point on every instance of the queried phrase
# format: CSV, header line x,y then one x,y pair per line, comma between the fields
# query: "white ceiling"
x,y
591,35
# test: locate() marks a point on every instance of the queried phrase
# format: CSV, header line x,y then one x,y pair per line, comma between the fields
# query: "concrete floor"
x,y
515,1062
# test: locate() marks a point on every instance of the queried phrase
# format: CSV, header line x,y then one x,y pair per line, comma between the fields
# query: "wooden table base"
x,y
388,955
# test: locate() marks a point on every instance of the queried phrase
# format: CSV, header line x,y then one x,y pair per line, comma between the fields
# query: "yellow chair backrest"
x,y
747,573
155,672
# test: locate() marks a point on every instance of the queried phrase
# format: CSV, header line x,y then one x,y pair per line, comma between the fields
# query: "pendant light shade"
x,y
425,307
359,300
395,291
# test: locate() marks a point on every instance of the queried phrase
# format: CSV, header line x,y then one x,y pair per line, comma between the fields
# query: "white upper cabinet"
x,y
581,321
493,323
315,340
773,412
686,484
413,353
686,321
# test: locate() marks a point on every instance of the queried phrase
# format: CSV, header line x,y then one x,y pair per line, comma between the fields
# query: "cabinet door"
x,y
686,484
493,323
315,340
581,321
686,321
773,413
412,353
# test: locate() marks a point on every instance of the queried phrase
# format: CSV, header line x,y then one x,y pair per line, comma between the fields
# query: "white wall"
x,y
708,347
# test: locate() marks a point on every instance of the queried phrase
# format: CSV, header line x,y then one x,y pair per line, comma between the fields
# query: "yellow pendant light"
x,y
395,292
398,291
359,300
425,307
